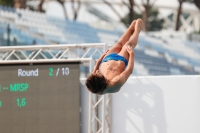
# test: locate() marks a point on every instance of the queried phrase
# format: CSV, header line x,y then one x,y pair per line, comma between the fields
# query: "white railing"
x,y
189,24
53,53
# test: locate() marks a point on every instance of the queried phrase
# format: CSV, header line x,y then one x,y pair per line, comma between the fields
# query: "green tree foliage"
x,y
7,2
126,19
154,23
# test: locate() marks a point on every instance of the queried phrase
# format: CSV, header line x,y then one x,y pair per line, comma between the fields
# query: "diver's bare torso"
x,y
116,67
111,70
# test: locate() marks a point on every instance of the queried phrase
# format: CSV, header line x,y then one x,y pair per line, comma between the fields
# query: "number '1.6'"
x,y
21,102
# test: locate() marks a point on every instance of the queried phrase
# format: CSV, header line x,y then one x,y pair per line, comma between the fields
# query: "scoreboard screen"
x,y
39,98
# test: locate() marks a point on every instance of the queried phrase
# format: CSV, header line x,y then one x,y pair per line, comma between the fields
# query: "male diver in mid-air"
x,y
115,66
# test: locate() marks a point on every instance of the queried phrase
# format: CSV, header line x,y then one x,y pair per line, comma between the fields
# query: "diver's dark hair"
x,y
96,83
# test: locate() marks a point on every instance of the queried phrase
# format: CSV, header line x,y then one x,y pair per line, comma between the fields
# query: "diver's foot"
x,y
132,25
139,25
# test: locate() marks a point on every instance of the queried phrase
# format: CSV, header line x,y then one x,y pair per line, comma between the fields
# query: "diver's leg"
x,y
123,39
126,36
133,40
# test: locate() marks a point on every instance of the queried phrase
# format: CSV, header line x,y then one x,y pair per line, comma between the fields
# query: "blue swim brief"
x,y
114,56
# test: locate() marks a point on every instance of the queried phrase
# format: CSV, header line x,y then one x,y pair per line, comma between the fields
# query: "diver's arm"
x,y
96,67
122,78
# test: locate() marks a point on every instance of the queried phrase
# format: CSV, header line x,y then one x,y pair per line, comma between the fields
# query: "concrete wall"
x,y
158,104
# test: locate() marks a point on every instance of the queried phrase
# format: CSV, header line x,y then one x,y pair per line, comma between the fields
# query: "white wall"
x,y
158,104
167,104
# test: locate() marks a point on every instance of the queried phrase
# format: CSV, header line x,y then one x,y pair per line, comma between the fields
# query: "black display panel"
x,y
39,98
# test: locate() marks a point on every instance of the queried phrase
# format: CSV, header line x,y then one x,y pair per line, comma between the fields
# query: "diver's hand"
x,y
96,67
102,56
130,50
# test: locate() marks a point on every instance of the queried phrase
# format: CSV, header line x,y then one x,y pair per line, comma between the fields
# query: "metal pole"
x,y
8,31
103,104
103,114
90,104
90,111
104,47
